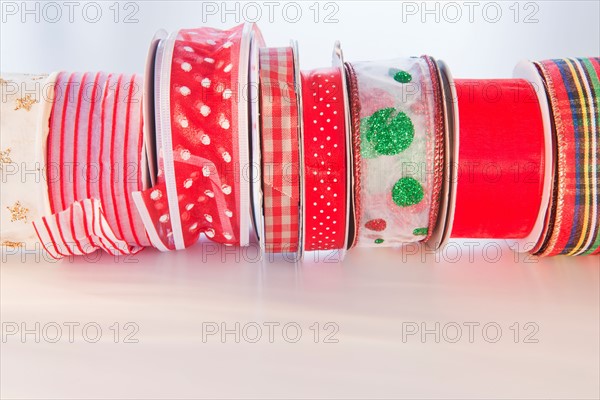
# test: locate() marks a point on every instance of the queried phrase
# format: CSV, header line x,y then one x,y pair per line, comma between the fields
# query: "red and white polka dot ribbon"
x,y
94,154
324,160
280,152
202,147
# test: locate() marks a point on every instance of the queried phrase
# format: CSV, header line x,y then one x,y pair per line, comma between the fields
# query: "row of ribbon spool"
x,y
229,136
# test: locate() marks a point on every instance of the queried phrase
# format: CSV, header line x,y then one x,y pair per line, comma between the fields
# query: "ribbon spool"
x,y
573,87
325,168
354,114
351,214
449,168
202,111
436,152
256,197
149,105
280,153
95,161
501,159
397,146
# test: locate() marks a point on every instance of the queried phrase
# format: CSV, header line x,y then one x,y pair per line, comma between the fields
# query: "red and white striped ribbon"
x,y
94,153
80,229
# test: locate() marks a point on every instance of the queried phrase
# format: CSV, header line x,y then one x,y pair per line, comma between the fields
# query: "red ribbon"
x,y
198,185
501,159
324,160
94,147
280,153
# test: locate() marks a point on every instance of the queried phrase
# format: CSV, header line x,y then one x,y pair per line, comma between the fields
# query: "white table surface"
x,y
373,297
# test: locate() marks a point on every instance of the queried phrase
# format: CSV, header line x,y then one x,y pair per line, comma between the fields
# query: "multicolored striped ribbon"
x,y
280,152
94,152
573,86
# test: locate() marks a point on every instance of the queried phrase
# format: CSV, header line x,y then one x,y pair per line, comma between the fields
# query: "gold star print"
x,y
5,157
18,212
14,245
25,102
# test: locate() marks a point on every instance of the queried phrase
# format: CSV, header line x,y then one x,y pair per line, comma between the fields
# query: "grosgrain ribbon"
x,y
501,159
94,153
280,152
397,132
573,86
324,160
199,154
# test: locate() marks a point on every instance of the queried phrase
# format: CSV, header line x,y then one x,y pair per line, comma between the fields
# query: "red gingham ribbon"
x,y
324,160
280,153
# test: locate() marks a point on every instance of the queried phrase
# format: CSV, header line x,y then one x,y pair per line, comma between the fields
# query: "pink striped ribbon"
x,y
93,165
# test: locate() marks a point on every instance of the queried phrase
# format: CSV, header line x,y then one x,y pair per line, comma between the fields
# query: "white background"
x,y
373,297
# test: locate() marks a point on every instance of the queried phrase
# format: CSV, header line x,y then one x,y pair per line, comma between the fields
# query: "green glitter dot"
x,y
420,232
367,148
378,241
389,130
402,77
407,192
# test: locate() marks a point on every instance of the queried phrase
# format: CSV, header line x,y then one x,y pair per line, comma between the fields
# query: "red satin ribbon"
x,y
501,159
324,160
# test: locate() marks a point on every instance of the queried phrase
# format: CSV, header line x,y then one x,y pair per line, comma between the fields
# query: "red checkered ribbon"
x,y
324,160
280,153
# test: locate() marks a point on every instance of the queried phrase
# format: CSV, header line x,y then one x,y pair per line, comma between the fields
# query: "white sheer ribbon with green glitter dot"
x,y
397,141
